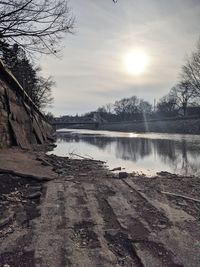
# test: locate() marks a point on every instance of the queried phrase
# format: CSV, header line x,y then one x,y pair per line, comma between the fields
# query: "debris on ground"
x,y
116,169
123,175
84,217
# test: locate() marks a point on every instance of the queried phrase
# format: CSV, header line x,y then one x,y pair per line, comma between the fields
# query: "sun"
x,y
136,62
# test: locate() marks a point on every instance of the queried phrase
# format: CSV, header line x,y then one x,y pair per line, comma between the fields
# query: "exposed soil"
x,y
17,209
88,217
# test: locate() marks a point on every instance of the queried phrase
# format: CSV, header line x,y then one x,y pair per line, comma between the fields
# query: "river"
x,y
146,153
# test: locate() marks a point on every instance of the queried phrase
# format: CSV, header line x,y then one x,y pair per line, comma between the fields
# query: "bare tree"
x,y
191,70
167,106
44,96
144,107
35,25
122,108
184,93
132,108
109,107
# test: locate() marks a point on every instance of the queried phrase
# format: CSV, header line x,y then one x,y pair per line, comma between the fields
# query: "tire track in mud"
x,y
83,242
124,242
114,234
157,220
154,217
123,247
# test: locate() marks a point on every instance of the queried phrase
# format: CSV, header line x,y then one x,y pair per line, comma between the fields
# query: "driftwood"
x,y
86,158
181,196
89,157
44,162
79,156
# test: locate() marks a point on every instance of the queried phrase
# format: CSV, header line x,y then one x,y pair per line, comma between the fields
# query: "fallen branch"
x,y
44,162
181,196
79,156
86,158
89,157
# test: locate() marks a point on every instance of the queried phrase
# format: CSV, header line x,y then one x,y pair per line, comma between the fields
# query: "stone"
x,y
34,195
123,175
116,169
35,188
6,218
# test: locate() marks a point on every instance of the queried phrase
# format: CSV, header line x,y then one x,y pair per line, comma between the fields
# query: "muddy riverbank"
x,y
84,215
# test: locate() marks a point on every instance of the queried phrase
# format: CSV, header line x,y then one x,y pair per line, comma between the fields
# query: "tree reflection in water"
x,y
182,156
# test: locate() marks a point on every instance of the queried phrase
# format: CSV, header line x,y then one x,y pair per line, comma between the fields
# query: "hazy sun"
x,y
136,62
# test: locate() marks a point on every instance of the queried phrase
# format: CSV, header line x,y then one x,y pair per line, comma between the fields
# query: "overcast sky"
x,y
90,71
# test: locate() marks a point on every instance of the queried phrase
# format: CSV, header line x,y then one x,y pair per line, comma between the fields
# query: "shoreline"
x,y
171,126
186,126
85,214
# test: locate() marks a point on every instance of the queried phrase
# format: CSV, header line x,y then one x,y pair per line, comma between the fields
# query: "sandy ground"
x,y
88,217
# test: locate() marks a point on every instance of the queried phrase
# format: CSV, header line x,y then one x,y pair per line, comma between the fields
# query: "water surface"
x,y
147,153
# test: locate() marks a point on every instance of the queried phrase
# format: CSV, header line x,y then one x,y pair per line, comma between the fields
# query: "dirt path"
x,y
89,218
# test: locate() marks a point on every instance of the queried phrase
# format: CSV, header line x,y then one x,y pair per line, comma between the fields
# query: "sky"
x,y
90,71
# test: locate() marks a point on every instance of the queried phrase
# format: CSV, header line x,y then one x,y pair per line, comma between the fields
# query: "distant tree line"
x,y
126,109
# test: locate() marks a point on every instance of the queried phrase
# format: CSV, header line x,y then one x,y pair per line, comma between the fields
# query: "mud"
x,y
87,217
17,211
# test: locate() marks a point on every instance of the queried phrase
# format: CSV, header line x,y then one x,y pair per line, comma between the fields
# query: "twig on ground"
x,y
79,156
181,196
89,156
86,158
45,162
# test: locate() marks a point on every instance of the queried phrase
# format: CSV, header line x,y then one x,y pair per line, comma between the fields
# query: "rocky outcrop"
x,y
21,123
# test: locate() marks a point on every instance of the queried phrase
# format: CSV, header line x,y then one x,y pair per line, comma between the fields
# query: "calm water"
x,y
147,153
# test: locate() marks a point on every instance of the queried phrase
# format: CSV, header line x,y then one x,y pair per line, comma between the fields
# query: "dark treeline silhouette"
x,y
28,75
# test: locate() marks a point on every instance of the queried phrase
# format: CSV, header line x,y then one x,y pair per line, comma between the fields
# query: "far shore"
x,y
179,126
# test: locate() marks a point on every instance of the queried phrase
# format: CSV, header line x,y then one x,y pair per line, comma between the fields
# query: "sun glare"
x,y
136,62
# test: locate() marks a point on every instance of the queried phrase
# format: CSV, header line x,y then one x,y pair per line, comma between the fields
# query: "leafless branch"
x,y
37,25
